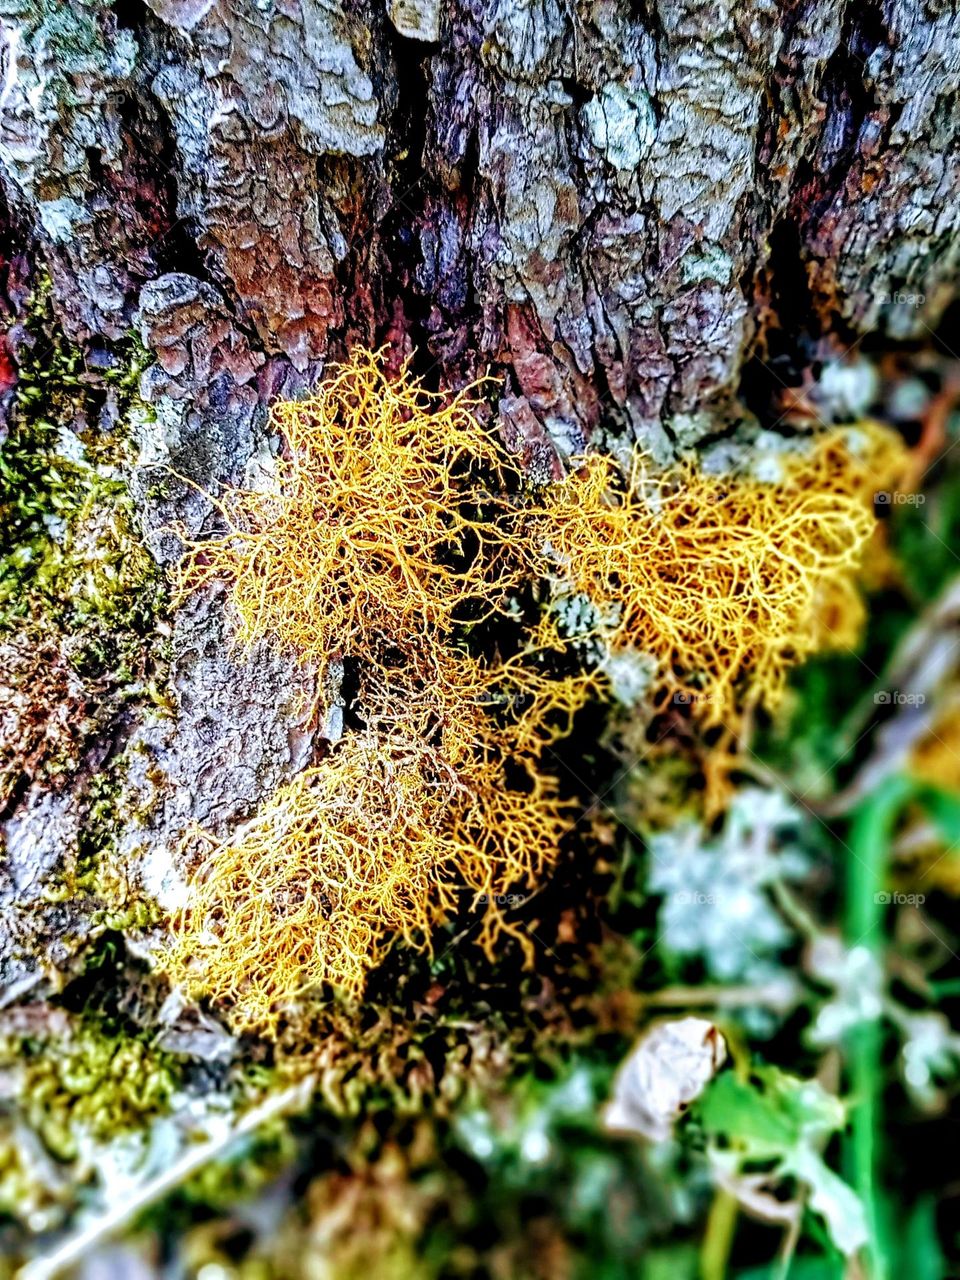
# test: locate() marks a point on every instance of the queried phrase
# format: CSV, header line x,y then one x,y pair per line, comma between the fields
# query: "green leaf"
x,y
737,1111
772,1113
779,1117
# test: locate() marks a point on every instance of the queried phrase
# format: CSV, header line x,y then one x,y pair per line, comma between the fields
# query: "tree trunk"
x,y
616,209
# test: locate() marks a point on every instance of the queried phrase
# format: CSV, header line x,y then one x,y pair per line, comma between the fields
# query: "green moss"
x,y
77,579
69,551
87,1086
97,871
249,1167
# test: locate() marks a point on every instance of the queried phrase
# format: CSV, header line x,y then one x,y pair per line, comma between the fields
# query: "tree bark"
x,y
614,208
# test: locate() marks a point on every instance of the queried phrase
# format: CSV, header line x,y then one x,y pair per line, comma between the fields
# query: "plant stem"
x,y
870,841
718,1240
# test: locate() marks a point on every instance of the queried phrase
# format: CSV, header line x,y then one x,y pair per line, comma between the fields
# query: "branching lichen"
x,y
388,514
376,843
396,528
727,582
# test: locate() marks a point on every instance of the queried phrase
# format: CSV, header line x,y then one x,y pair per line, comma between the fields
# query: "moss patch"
x,y
79,592
69,551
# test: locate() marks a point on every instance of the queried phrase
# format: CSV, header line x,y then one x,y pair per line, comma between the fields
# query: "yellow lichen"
x,y
395,526
387,514
390,532
379,842
727,583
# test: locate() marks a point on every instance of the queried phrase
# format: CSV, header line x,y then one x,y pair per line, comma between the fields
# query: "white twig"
x,y
73,1249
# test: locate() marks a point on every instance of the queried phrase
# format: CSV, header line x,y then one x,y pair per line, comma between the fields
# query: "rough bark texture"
x,y
612,207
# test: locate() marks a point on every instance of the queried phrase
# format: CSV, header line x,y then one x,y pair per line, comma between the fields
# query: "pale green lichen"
x,y
621,124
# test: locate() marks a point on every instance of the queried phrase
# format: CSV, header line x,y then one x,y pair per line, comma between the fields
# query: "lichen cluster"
x,y
387,537
387,513
727,582
393,530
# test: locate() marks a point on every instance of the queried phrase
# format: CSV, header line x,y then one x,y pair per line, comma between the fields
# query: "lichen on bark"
x,y
622,212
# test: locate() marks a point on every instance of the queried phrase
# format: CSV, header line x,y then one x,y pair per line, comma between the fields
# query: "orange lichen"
x,y
728,583
377,842
311,889
394,526
387,514
389,532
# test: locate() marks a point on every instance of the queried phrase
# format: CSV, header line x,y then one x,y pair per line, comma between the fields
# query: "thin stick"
x,y
73,1249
